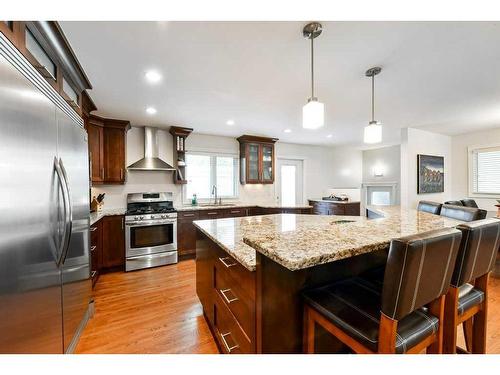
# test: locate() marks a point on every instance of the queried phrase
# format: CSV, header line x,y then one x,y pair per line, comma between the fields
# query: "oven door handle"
x,y
146,223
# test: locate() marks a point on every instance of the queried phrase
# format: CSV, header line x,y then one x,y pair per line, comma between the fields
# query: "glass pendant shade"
x,y
313,114
373,132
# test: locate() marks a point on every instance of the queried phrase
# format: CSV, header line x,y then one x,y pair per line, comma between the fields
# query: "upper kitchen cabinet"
x,y
46,48
107,144
256,159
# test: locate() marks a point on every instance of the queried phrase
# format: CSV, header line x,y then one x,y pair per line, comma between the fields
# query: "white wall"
x,y
388,161
460,143
414,142
324,168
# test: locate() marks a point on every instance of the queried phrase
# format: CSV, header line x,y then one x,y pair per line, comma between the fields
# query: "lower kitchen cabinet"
x,y
335,208
186,232
227,293
113,241
95,251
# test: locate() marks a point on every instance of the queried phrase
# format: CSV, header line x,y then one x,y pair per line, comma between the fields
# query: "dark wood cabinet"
x,y
113,241
186,232
95,130
335,208
227,293
257,160
107,145
95,251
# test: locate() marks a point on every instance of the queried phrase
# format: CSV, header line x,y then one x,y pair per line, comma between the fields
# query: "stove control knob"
x,y
141,217
163,216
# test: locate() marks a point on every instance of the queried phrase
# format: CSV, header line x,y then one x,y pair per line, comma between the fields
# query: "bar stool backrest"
x,y
478,250
460,212
430,207
418,271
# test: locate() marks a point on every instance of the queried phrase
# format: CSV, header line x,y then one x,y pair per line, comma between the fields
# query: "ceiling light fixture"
x,y
151,110
313,113
287,130
230,122
373,132
153,76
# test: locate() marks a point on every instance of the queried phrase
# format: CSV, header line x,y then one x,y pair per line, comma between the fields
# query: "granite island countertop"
x,y
302,241
324,239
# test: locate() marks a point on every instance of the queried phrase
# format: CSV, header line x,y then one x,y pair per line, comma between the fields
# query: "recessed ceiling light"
x,y
329,136
287,130
230,122
153,76
151,110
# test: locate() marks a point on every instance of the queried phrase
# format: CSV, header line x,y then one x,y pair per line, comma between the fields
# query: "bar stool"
x,y
418,274
430,207
461,212
467,298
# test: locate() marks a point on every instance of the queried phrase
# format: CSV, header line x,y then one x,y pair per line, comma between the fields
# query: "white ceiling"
x,y
440,76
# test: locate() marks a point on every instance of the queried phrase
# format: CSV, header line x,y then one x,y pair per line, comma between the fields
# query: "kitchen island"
x,y
251,270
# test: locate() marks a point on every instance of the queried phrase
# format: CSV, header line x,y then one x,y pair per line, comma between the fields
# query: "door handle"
x,y
102,173
228,300
60,177
223,261
228,348
69,215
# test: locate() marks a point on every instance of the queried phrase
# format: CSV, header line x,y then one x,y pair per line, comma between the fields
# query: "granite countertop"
x,y
236,205
98,215
302,241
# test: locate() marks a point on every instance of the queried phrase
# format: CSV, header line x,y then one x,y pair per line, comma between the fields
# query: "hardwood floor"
x,y
148,311
157,311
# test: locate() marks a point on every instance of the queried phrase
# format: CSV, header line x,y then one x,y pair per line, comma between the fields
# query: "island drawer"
x,y
236,299
243,278
235,212
231,338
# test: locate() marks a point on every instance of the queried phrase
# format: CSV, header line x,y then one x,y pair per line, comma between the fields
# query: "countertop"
x,y
302,241
98,215
237,205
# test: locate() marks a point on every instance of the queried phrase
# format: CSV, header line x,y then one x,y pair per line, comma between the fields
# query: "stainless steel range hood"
x,y
150,161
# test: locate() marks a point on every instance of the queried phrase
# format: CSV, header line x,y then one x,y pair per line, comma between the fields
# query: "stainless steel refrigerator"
x,y
45,286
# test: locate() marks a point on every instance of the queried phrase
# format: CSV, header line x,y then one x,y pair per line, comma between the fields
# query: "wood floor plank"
x,y
157,311
148,311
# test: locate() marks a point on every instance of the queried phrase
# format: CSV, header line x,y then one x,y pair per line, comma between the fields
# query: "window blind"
x,y
486,170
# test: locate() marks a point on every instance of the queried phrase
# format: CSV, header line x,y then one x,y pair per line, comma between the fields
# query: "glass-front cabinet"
x,y
256,159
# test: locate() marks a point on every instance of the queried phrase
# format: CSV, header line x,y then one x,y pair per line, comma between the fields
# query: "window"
x,y
484,167
205,170
38,53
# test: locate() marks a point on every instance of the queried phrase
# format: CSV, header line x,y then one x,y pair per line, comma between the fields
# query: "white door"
x,y
290,182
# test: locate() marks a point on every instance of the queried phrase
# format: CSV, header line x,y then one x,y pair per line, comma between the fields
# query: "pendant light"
x,y
313,113
373,132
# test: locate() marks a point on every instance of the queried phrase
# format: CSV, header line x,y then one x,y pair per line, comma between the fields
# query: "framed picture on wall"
x,y
430,175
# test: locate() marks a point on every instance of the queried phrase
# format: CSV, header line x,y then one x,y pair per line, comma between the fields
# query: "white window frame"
x,y
236,167
470,175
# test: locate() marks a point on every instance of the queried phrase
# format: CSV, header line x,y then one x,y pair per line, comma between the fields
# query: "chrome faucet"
x,y
214,193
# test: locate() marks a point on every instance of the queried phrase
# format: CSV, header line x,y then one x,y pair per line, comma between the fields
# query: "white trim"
x,y
470,182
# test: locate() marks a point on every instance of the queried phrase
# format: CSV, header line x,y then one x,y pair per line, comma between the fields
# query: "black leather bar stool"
x,y
461,212
430,207
418,274
467,300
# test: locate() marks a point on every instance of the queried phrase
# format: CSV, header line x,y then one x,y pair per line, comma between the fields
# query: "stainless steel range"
x,y
150,230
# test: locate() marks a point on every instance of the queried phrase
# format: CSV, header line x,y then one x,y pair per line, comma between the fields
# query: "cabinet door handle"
x,y
102,173
187,215
212,213
121,173
228,300
228,348
123,223
236,212
92,248
223,261
93,229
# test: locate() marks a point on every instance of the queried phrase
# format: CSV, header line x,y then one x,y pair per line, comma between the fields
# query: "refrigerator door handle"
x,y
68,220
60,177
